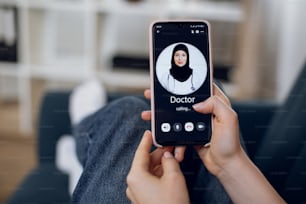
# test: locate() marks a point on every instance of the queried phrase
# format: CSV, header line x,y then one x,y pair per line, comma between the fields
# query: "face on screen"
x,y
181,68
181,75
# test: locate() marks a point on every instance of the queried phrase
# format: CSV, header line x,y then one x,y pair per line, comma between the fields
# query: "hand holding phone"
x,y
180,65
179,151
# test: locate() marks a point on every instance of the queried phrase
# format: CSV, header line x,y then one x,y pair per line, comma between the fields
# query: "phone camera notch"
x,y
181,25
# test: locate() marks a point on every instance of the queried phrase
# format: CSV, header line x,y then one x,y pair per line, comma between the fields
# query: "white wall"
x,y
273,49
292,45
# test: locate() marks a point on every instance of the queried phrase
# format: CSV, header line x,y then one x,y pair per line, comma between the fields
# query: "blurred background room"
x,y
259,48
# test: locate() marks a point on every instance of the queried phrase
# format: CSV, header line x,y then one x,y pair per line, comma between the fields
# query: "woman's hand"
x,y
225,144
179,151
155,177
226,159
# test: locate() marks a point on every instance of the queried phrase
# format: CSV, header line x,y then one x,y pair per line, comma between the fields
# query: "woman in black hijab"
x,y
180,78
180,69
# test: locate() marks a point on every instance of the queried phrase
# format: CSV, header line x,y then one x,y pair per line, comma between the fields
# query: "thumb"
x,y
170,164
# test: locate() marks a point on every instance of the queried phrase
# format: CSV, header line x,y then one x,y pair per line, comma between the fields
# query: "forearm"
x,y
246,184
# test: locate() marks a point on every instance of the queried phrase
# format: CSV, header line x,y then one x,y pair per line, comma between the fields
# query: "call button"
x,y
189,126
165,127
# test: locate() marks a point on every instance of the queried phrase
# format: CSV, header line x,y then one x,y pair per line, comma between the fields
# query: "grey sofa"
x,y
275,138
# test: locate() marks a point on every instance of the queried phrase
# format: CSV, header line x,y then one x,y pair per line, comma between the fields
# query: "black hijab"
x,y
180,73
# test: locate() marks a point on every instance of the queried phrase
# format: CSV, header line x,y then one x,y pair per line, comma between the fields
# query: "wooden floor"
x,y
17,151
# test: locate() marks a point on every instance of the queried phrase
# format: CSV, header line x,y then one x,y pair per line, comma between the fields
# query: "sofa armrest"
x,y
53,122
254,120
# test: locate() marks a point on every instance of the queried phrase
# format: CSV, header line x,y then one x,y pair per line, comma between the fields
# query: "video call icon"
x,y
200,126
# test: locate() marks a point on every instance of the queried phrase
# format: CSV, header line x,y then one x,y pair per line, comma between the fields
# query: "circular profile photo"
x,y
181,68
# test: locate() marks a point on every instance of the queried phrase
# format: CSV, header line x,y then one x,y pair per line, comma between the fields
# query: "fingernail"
x,y
168,155
176,154
196,106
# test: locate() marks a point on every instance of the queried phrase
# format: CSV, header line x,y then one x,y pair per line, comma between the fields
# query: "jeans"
x,y
106,143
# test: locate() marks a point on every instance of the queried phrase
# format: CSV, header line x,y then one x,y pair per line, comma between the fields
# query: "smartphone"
x,y
181,75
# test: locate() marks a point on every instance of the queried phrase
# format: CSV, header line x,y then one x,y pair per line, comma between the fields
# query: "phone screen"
x,y
181,77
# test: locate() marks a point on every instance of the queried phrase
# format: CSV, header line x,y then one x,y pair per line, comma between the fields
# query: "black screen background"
x,y
165,112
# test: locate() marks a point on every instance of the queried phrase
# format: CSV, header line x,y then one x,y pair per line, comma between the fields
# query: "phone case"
x,y
152,71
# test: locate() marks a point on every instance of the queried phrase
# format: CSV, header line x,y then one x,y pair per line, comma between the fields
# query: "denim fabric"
x,y
106,143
